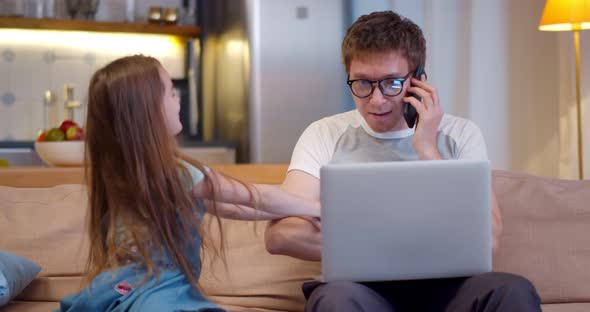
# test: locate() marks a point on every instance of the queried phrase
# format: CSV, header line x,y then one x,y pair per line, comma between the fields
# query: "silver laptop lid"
x,y
405,220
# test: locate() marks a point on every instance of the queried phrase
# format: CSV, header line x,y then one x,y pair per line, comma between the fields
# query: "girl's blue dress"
x,y
110,291
122,290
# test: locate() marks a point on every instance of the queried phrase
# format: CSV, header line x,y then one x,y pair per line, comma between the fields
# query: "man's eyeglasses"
x,y
363,88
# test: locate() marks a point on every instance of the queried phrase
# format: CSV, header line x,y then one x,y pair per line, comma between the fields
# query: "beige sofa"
x,y
546,238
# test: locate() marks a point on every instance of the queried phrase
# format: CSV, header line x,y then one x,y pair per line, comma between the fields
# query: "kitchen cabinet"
x,y
24,155
19,157
94,26
211,155
39,58
27,157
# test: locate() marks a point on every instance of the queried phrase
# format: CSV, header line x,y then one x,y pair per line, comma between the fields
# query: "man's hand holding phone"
x,y
429,116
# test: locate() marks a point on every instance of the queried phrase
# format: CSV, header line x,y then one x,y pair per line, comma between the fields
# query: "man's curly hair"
x,y
382,32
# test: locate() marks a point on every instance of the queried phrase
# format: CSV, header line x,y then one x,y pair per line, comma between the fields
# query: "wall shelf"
x,y
95,26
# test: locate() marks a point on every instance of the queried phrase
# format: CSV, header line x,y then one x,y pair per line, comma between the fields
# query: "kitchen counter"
x,y
182,143
17,144
22,153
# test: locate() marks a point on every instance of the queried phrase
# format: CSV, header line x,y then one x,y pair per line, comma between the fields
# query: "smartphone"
x,y
410,113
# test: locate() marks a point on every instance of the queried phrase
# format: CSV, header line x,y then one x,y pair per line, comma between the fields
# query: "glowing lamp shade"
x,y
565,15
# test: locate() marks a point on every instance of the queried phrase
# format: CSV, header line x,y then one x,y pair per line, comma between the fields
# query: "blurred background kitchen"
x,y
45,73
253,74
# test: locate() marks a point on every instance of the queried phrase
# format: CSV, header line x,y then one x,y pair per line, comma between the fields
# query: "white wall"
x,y
491,65
513,96
282,59
567,103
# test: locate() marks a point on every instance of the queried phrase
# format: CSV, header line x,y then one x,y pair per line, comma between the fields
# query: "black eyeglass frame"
x,y
381,88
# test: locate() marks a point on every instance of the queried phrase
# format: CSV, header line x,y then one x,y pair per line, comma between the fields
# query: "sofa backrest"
x,y
42,177
46,223
46,226
546,235
546,238
254,278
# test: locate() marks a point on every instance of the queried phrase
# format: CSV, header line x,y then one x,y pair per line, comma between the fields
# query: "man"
x,y
381,52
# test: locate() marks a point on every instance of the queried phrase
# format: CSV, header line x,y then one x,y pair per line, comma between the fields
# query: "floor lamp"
x,y
570,15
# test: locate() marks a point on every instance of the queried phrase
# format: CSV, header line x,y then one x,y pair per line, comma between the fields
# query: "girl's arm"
x,y
269,199
238,212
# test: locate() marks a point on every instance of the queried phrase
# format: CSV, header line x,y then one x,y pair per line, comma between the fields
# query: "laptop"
x,y
387,221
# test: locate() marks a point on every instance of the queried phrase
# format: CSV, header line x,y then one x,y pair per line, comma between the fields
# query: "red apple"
x,y
41,136
66,124
74,133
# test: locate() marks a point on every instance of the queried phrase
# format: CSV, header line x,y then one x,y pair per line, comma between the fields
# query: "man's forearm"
x,y
295,237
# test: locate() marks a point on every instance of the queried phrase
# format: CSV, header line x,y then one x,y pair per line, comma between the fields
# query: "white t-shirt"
x,y
346,137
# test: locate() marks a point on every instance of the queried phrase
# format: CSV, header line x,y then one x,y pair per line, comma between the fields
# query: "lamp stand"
x,y
578,104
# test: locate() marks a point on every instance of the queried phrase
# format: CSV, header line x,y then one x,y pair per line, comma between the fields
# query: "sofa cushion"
x,y
47,226
566,307
254,278
51,288
15,274
21,306
546,235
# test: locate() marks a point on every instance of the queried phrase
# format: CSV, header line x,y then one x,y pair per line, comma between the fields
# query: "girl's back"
x,y
144,224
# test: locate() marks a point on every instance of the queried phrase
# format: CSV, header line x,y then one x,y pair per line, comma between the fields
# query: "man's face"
x,y
382,113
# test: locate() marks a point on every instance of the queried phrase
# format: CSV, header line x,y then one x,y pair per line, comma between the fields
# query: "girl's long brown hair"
x,y
135,176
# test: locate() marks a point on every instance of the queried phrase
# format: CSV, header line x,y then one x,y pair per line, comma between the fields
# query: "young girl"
x,y
147,202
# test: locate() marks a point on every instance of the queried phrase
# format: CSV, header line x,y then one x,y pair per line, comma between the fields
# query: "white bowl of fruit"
x,y
62,146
